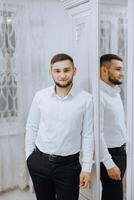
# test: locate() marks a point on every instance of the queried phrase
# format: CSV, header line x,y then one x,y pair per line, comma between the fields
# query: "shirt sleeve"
x,y
87,138
32,127
105,157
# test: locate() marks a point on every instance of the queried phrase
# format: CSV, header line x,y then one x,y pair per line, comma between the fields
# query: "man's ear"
x,y
50,70
103,72
75,70
104,69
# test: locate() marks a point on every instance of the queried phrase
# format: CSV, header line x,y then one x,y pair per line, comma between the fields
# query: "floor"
x,y
24,195
17,195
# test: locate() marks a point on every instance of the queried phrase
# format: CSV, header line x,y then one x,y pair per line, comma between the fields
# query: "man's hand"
x,y
114,173
85,179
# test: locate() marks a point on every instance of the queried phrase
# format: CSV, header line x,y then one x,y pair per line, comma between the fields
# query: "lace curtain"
x,y
8,70
113,35
22,60
113,31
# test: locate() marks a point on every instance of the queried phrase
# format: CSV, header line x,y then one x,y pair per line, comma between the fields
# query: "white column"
x,y
130,102
84,49
94,70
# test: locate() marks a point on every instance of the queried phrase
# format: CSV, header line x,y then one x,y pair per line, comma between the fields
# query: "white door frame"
x,y
130,102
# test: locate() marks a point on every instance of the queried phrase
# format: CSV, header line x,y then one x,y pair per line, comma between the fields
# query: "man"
x,y
60,123
112,128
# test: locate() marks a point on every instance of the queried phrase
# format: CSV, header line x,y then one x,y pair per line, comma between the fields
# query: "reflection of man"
x,y
113,129
60,122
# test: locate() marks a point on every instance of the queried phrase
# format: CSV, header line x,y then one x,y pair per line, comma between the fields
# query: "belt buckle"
x,y
52,157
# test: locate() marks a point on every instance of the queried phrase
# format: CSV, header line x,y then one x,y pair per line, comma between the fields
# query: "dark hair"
x,y
104,59
60,57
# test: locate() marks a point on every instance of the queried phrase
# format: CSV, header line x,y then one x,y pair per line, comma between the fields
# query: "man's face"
x,y
115,72
62,73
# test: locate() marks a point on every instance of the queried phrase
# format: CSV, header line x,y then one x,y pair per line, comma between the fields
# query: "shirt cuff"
x,y
86,167
109,163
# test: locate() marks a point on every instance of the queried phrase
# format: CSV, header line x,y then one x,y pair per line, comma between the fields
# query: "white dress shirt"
x,y
61,126
112,122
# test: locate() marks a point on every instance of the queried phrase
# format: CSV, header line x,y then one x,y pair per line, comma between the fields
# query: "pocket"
x,y
76,166
121,162
29,156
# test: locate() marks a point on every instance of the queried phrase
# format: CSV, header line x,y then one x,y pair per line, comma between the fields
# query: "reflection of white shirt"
x,y
56,125
112,121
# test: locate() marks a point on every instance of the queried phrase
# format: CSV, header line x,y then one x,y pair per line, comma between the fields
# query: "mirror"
x,y
113,40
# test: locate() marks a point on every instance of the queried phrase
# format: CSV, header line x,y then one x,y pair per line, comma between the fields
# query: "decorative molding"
x,y
68,4
79,30
114,2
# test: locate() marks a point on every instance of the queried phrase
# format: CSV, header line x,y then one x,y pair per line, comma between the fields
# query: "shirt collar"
x,y
107,88
52,91
72,92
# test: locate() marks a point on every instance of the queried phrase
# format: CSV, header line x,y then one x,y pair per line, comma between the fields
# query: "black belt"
x,y
57,158
118,149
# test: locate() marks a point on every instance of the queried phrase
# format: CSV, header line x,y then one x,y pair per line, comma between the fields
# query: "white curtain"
x,y
29,59
113,30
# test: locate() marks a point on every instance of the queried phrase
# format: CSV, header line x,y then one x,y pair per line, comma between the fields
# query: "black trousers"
x,y
54,180
113,189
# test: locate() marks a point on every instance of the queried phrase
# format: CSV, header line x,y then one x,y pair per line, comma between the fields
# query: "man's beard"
x,y
113,80
64,85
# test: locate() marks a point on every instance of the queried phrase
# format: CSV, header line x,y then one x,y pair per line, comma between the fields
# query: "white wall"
x,y
57,34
